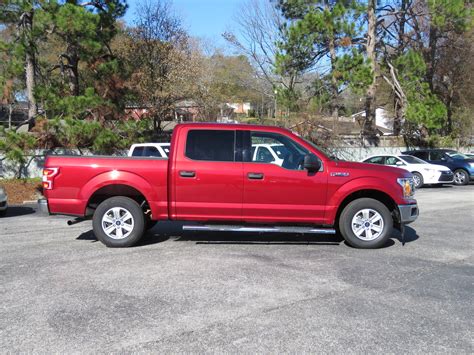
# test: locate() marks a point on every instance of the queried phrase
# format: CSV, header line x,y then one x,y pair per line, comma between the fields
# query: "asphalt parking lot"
x,y
62,291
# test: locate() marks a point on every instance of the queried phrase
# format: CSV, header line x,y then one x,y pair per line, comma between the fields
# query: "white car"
x,y
423,172
269,153
3,202
159,150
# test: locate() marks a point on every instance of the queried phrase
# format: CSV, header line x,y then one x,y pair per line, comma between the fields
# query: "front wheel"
x,y
366,223
461,177
118,222
418,180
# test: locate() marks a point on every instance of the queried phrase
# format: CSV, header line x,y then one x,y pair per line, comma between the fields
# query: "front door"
x,y
208,180
282,192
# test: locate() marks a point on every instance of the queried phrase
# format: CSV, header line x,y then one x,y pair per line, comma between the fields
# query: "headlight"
x,y
408,186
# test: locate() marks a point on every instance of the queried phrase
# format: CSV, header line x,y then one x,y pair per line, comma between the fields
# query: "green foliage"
x,y
15,146
424,107
353,70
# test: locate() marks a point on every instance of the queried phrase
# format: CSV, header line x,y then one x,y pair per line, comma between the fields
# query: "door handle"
x,y
255,176
187,173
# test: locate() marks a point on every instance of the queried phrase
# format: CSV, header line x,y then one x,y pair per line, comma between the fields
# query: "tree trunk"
x,y
370,104
73,73
431,56
399,103
334,88
30,66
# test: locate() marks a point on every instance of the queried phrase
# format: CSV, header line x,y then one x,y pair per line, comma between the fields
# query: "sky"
x,y
202,18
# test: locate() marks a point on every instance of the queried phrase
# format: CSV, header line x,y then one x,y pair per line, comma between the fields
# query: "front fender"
x,y
363,183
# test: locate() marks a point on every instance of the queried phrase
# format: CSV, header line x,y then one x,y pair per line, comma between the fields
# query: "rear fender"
x,y
121,178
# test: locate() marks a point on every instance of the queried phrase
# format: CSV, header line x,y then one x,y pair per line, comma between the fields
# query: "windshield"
x,y
412,160
456,155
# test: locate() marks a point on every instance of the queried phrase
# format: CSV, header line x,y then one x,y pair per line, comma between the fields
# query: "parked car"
x,y
212,182
3,202
423,172
269,153
461,165
159,150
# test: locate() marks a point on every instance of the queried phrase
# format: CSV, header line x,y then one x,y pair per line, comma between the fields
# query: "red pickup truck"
x,y
216,180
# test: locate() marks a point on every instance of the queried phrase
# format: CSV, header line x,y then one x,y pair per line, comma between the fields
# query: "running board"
x,y
283,229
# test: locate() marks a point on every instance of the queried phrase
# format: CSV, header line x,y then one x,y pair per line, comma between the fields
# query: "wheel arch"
x,y
378,195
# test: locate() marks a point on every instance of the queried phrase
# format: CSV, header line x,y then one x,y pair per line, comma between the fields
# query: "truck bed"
x,y
80,177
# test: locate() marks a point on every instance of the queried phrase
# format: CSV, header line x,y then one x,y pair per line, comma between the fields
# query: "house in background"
x,y
240,107
383,120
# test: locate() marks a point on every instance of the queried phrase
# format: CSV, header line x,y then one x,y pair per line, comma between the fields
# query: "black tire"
x,y
418,178
149,224
461,177
135,224
3,213
363,242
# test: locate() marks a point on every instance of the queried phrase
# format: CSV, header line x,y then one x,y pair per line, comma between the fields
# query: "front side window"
x,y
210,145
264,155
393,161
436,155
376,160
290,154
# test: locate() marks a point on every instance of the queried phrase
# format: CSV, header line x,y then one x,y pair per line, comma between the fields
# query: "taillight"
x,y
48,177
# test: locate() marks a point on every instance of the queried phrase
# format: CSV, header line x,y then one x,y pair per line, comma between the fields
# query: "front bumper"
x,y
43,206
408,213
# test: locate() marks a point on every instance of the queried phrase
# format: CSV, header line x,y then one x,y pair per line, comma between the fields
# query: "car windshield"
x,y
412,160
456,155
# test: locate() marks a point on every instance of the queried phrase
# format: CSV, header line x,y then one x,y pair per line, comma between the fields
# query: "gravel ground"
x,y
62,291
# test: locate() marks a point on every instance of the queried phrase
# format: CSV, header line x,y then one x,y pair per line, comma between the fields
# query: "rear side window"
x,y
210,145
437,155
138,152
421,155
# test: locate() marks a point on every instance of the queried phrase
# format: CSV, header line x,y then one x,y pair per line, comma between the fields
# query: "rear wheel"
x,y
461,177
118,222
366,223
418,179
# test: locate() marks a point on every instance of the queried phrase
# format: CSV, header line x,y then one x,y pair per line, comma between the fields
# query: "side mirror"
x,y
399,163
311,163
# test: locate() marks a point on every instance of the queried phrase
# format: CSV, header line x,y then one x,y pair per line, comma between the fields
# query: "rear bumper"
x,y
408,213
43,206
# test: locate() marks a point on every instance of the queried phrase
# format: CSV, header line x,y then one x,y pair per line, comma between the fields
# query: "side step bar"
x,y
277,229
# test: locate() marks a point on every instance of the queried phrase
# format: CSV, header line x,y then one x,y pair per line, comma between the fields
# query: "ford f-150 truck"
x,y
213,183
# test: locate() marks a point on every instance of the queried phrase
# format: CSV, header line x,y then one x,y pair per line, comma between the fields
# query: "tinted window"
x,y
293,152
421,155
392,161
376,160
152,152
211,145
437,155
264,155
138,152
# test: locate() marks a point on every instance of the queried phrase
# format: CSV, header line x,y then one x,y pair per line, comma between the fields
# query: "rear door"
x,y
208,180
286,193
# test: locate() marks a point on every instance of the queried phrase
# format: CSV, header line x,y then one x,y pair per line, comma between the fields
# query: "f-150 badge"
x,y
340,174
